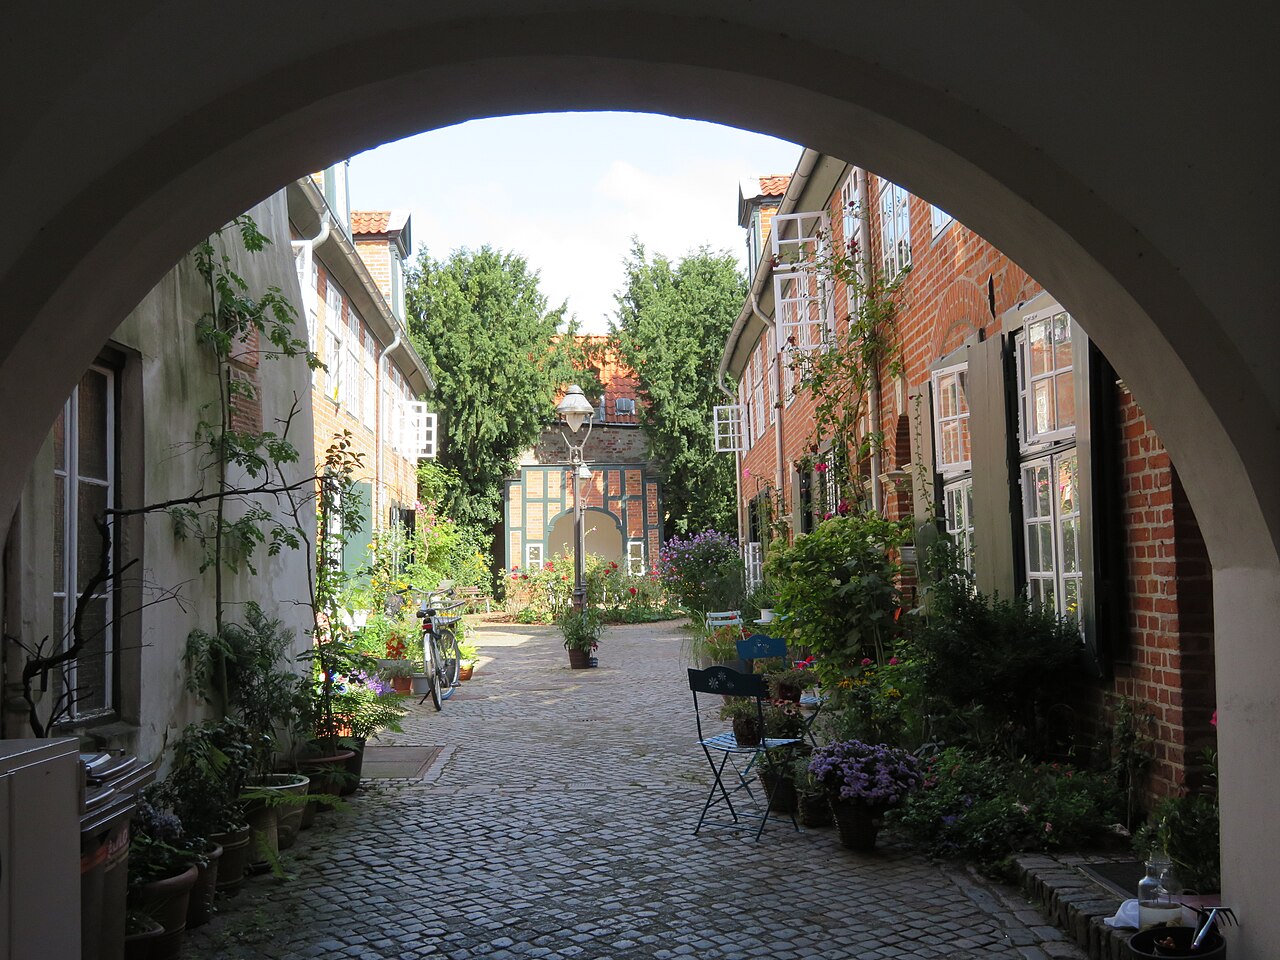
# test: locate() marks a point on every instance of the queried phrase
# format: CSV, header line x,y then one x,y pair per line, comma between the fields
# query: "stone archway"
x,y
1076,142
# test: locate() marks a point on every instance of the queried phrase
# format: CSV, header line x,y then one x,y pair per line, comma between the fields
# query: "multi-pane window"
x,y
939,219
754,565
335,330
849,230
1046,386
369,381
1051,518
770,373
957,505
951,419
625,406
84,452
351,380
635,557
1049,464
532,555
895,229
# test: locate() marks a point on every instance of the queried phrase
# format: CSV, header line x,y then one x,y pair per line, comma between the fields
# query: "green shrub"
x,y
986,809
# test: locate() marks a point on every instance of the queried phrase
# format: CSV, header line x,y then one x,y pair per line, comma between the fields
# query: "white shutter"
x,y
419,431
729,428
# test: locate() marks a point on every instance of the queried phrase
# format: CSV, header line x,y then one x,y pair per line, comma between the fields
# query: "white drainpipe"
x,y
864,274
384,363
779,474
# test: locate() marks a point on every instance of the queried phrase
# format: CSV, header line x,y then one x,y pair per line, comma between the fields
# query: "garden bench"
x,y
473,596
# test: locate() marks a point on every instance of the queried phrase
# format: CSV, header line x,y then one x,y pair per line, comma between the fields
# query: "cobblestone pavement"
x,y
558,822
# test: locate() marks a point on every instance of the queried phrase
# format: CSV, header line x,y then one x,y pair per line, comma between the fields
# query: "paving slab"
x,y
557,821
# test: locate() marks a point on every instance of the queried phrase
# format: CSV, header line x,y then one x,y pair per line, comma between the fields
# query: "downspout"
x,y
864,275
383,364
307,290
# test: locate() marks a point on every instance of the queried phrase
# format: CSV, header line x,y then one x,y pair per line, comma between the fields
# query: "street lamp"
x,y
575,410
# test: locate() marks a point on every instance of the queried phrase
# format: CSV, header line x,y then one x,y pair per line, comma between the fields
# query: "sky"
x,y
567,191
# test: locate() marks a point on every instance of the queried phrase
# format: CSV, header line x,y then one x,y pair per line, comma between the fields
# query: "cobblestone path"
x,y
557,822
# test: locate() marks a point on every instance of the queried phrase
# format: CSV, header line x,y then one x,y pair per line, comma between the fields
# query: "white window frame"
x,y
336,334
71,480
939,220
351,380
369,382
957,508
730,428
958,374
895,228
625,406
635,558
770,373
850,216
802,282
1047,570
753,562
419,426
532,556
1028,380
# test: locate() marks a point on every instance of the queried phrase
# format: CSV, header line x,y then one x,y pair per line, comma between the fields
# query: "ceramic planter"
x,y
234,860
166,901
200,902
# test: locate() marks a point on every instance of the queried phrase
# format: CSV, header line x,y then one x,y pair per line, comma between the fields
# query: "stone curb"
x,y
1075,904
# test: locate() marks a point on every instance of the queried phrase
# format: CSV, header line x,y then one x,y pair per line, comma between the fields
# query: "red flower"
x,y
633,591
821,467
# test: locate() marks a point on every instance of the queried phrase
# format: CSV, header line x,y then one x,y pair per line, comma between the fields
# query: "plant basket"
x,y
465,671
746,730
813,810
781,791
580,659
858,823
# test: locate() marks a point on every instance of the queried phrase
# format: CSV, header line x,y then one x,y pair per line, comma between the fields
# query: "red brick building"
x,y
1005,427
350,268
622,500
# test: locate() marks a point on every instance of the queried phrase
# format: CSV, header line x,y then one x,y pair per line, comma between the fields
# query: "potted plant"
x,y
581,631
469,656
776,772
744,714
247,668
203,788
812,807
862,781
365,706
163,867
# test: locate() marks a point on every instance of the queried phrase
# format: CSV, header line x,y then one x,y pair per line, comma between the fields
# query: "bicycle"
x,y
441,659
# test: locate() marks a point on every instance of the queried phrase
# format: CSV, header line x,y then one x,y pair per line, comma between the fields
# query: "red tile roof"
x,y
774,185
370,221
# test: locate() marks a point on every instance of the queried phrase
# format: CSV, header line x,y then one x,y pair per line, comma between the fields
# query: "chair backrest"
x,y
729,683
724,618
759,647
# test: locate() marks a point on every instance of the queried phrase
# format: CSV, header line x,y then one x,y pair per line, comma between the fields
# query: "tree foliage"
x,y
671,326
490,340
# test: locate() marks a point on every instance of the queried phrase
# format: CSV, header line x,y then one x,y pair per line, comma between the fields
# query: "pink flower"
x,y
1214,718
893,661
1048,828
746,473
821,467
866,661
828,515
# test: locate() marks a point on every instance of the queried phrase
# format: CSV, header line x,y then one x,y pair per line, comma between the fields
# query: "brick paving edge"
x,y
1075,904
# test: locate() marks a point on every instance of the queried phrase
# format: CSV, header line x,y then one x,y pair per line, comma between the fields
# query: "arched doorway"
x,y
601,534
1107,172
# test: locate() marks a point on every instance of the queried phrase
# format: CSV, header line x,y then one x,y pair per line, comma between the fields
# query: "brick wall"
x,y
959,285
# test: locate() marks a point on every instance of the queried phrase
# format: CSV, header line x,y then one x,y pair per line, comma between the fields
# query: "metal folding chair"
x,y
723,618
760,647
738,759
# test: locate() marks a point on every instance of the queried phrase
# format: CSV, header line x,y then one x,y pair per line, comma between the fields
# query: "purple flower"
x,y
872,773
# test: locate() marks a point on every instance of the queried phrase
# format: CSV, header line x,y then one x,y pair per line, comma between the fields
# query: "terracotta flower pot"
x,y
200,902
465,671
234,860
401,684
165,901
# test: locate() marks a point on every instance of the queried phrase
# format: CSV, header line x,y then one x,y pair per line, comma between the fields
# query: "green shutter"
x,y
355,552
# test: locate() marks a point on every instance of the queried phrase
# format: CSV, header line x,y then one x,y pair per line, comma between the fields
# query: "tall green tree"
x,y
671,326
491,341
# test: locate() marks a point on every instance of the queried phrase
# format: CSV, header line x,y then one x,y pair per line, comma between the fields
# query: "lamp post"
x,y
575,410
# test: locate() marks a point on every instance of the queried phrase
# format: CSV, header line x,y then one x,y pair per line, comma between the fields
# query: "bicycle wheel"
x,y
449,661
432,669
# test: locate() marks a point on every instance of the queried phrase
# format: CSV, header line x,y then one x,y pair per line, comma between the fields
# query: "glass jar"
x,y
1157,894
